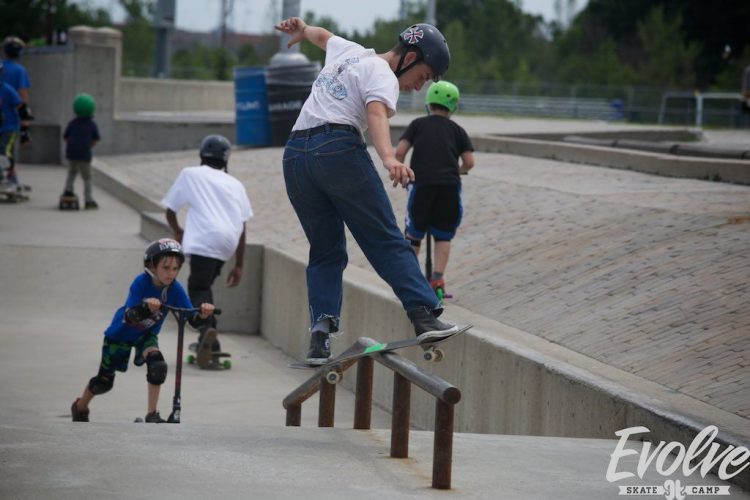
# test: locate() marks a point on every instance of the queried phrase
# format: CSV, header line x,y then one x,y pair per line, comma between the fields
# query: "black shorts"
x,y
434,208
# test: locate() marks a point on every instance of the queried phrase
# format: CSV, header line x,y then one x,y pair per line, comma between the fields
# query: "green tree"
x,y
138,39
36,20
667,59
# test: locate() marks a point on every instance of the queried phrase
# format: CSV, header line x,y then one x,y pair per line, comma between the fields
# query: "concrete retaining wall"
x,y
149,94
736,171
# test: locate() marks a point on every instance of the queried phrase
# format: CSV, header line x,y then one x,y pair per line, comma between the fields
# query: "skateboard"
x,y
68,202
332,369
13,196
206,358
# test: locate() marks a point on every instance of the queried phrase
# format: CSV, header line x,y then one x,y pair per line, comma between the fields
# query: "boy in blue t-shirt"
x,y
15,75
80,136
137,325
9,126
434,202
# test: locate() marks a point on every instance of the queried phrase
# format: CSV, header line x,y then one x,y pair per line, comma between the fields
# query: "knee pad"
x,y
156,368
102,383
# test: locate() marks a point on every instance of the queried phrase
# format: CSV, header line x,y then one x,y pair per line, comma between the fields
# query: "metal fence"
x,y
611,103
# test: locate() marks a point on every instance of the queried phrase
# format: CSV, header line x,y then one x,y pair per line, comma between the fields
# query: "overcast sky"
x,y
253,16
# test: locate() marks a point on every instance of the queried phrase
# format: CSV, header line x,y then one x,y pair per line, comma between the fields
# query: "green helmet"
x,y
84,106
443,93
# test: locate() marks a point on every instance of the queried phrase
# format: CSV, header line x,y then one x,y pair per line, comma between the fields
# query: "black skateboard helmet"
x,y
430,45
215,150
164,246
12,46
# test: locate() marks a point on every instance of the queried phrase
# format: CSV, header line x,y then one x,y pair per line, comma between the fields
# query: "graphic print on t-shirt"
x,y
330,80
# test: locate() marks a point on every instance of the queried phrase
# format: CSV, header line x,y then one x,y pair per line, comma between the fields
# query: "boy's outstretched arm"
x,y
380,132
403,147
467,162
233,279
299,30
174,225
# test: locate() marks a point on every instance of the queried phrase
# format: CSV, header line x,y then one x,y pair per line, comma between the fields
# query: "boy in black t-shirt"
x,y
434,202
80,136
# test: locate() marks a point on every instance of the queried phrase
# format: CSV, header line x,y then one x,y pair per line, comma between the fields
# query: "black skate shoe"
x,y
154,418
79,415
320,348
427,327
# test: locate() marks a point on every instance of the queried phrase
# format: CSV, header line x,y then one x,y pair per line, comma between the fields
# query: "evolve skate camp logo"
x,y
413,35
702,454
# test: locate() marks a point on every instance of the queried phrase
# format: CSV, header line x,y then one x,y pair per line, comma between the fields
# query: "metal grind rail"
x,y
405,373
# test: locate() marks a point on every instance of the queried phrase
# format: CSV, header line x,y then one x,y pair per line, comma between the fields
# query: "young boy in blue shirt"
x,y
137,325
9,126
434,200
80,136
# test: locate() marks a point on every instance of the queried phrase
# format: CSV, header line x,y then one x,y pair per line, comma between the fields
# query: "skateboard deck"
x,y
13,196
205,357
68,203
431,353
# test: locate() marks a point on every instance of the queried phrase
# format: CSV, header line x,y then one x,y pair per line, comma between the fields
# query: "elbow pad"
x,y
24,113
135,315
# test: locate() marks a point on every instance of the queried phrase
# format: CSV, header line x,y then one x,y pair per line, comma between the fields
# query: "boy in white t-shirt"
x,y
218,208
331,179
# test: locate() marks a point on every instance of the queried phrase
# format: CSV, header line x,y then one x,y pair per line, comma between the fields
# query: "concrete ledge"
x,y
512,382
735,171
241,305
120,188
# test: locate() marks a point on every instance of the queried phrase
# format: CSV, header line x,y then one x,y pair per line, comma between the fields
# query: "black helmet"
x,y
164,246
432,47
215,149
12,46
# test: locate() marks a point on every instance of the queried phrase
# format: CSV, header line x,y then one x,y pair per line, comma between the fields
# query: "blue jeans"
x,y
331,181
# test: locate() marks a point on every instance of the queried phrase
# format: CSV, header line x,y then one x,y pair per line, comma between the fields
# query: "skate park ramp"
x,y
63,276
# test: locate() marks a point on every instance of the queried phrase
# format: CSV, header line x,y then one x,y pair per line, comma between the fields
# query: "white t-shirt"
x,y
218,207
351,78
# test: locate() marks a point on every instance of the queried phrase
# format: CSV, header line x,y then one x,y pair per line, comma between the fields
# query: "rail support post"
x,y
363,396
327,404
294,415
442,459
400,418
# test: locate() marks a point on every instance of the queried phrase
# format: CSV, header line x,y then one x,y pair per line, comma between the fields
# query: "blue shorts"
x,y
436,209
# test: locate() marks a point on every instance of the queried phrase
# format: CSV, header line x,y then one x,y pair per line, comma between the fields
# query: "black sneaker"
x,y
427,327
79,415
320,348
91,205
154,418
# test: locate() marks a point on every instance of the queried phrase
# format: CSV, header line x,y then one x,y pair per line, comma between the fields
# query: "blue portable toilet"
x,y
251,107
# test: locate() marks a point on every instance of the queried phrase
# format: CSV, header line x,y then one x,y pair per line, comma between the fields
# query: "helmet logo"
x,y
413,35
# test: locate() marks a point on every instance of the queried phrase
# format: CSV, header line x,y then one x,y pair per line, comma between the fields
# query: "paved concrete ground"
x,y
63,275
646,273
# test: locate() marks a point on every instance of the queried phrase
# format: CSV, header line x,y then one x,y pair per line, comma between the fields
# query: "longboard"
x,y
333,375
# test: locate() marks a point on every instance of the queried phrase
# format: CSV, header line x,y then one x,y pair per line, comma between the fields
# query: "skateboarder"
x,y
80,136
137,325
15,75
9,126
331,179
218,208
434,200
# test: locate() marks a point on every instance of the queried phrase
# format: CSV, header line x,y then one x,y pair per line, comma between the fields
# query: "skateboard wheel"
x,y
138,420
440,293
190,359
227,364
438,355
429,355
333,377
